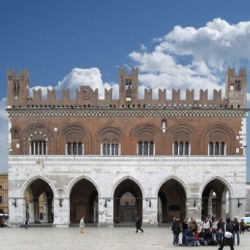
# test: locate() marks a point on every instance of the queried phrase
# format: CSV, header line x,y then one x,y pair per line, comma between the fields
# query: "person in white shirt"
x,y
82,225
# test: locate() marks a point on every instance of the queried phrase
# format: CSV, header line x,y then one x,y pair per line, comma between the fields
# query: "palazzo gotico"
x,y
111,160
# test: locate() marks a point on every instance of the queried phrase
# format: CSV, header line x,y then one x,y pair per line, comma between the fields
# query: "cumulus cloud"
x,y
78,77
198,58
3,136
184,58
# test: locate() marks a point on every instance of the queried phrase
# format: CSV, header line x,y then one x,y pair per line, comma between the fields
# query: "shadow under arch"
x,y
39,198
215,197
83,196
127,200
172,195
184,185
27,183
125,178
77,179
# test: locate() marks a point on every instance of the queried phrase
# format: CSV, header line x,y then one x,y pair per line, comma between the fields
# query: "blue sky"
x,y
67,43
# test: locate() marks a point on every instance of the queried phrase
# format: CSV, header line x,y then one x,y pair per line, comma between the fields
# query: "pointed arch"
x,y
34,178
123,179
77,179
180,181
220,179
127,201
215,196
172,196
83,196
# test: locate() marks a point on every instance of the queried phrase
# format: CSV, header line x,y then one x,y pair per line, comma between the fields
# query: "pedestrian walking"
x,y
138,224
236,225
228,239
82,225
26,223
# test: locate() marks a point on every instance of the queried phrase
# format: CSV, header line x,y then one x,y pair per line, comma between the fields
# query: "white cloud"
x,y
185,58
195,57
78,77
91,77
3,113
3,136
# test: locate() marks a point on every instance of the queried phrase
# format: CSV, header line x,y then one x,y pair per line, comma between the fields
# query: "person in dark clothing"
x,y
176,229
189,237
138,224
236,225
227,241
184,228
242,226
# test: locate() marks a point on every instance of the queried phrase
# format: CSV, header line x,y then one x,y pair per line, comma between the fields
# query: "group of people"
x,y
208,232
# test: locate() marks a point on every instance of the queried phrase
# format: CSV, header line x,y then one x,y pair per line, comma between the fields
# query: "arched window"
x,y
110,148
216,148
74,148
181,148
145,148
38,147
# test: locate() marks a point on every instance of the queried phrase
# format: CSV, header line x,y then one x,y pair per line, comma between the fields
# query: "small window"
x,y
181,148
216,148
16,88
74,148
145,148
110,149
1,186
237,85
1,199
38,147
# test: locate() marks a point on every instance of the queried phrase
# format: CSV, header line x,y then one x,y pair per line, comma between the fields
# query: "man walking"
x,y
138,224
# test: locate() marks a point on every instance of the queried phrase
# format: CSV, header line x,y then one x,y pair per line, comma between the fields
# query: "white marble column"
x,y
31,212
150,210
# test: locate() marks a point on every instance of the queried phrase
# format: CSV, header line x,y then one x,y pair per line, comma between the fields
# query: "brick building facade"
x,y
110,160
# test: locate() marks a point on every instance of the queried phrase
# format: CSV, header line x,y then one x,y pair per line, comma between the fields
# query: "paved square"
x,y
96,239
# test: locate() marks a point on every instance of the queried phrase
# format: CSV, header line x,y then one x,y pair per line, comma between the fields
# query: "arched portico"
x,y
171,201
84,202
127,202
215,199
38,201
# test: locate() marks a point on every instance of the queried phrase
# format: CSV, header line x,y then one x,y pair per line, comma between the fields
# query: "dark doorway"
x,y
84,202
171,202
127,202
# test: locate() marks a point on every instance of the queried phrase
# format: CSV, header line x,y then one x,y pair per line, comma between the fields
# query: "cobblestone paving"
x,y
96,239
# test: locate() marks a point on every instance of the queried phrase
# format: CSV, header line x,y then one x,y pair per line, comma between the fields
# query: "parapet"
x,y
86,97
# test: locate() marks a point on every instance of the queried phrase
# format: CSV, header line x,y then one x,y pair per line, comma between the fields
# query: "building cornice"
x,y
78,112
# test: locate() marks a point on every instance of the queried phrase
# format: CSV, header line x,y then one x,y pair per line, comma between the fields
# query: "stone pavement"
x,y
96,239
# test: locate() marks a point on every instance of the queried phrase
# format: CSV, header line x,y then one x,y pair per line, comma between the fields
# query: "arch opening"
x,y
84,202
215,200
171,202
127,202
39,202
